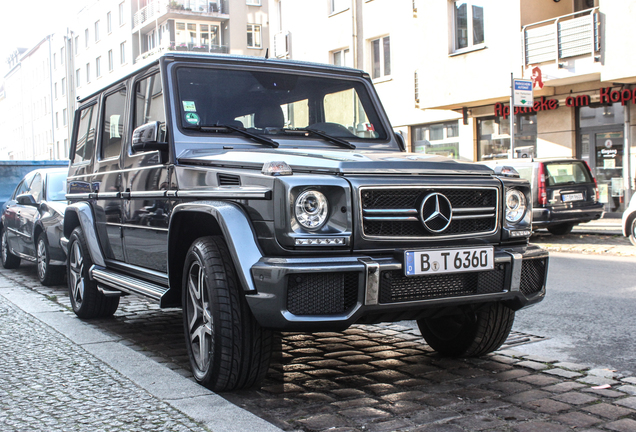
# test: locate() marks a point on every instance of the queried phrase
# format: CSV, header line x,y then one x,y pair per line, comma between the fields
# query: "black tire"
x,y
632,233
9,261
469,333
228,349
86,299
561,229
48,274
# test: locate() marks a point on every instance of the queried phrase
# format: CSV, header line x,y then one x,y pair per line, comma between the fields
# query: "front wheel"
x,y
9,261
47,273
228,349
468,333
632,233
86,300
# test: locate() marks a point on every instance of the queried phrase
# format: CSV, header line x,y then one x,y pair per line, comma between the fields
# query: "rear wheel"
x,y
561,229
228,349
47,273
468,333
86,299
9,261
632,233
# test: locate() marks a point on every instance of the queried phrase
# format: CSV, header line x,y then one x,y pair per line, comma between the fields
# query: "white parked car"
x,y
629,221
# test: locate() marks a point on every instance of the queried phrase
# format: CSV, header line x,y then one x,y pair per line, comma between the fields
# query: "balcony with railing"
x,y
565,47
158,8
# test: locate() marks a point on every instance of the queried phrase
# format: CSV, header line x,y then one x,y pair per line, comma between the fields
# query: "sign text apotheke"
x,y
607,96
542,104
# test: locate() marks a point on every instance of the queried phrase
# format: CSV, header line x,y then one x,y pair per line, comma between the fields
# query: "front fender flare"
x,y
82,215
237,231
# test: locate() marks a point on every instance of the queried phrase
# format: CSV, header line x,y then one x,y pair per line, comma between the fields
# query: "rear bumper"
x,y
304,294
543,217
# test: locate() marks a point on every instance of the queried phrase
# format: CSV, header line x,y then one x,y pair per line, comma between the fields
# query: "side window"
x,y
113,129
36,187
85,142
23,187
149,101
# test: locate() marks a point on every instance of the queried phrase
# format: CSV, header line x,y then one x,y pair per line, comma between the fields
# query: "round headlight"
x,y
515,205
311,209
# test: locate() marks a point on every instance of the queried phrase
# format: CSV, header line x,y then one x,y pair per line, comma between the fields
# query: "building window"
x,y
98,67
77,77
468,24
62,55
439,139
341,58
88,72
55,90
253,36
121,14
54,61
86,38
122,53
493,136
254,2
339,5
96,30
64,117
109,23
110,60
76,45
63,86
57,121
381,57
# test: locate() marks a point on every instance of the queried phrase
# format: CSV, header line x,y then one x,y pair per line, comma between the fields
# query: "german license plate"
x,y
436,261
572,197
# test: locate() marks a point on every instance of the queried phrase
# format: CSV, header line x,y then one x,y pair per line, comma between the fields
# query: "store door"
x,y
603,151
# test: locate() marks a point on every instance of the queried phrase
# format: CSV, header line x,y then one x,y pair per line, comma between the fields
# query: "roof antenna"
x,y
267,53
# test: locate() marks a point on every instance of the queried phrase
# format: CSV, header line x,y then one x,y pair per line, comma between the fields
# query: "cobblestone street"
x,y
367,378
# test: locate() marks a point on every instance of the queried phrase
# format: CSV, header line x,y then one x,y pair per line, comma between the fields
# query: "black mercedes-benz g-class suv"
x,y
266,195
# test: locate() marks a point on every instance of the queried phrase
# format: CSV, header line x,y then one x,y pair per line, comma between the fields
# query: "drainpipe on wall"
x,y
627,181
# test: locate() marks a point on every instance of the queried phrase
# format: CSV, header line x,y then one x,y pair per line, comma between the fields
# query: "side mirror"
x,y
506,171
146,138
400,140
26,199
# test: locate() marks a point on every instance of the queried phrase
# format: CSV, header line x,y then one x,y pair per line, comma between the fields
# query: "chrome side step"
x,y
126,283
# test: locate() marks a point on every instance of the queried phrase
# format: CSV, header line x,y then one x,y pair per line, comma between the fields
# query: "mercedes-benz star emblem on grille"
x,y
436,212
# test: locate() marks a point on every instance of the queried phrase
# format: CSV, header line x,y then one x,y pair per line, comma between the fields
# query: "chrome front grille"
x,y
396,211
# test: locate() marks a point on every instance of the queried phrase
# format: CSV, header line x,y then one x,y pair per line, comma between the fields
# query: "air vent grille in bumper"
x,y
229,180
396,288
532,275
396,212
322,293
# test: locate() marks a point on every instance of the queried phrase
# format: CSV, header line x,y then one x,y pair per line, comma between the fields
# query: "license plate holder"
x,y
572,197
444,261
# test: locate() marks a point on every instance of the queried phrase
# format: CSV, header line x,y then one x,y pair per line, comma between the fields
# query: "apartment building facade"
x,y
105,41
577,54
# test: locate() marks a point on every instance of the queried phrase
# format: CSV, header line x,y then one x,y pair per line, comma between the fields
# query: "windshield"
x,y
56,186
567,173
277,104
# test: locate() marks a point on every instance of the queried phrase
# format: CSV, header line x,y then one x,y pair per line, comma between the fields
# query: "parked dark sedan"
x,y
564,192
31,224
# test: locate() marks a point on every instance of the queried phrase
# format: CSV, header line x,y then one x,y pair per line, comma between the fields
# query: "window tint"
x,y
56,186
149,101
36,188
85,142
113,130
567,173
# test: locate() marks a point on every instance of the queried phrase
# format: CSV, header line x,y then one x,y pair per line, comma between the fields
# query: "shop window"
x,y
439,139
493,137
468,25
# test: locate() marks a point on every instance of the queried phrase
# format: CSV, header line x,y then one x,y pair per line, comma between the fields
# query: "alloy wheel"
x,y
42,259
76,279
5,245
199,320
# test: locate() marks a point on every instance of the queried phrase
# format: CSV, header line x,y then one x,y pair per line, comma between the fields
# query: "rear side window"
x,y
564,173
113,129
85,142
149,101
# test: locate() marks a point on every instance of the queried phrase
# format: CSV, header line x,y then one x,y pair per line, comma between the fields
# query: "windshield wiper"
x,y
222,127
331,139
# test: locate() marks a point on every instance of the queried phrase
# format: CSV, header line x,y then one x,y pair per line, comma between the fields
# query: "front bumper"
x,y
328,294
544,217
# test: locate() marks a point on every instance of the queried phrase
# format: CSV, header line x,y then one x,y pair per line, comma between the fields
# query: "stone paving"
x,y
47,383
385,378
